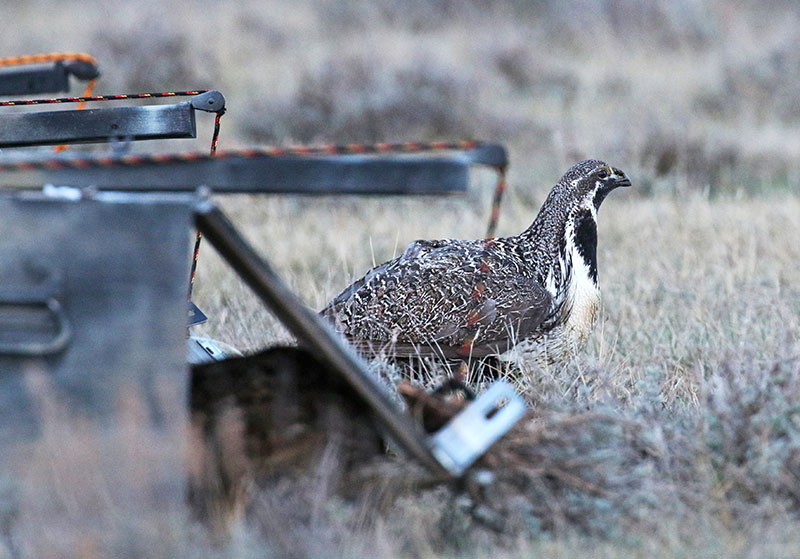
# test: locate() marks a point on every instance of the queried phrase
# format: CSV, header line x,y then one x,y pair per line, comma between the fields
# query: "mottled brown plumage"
x,y
473,298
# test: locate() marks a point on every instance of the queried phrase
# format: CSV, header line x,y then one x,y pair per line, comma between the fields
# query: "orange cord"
x,y
48,57
87,93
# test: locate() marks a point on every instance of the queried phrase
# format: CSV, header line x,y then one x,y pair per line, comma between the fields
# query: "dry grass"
x,y
694,368
682,405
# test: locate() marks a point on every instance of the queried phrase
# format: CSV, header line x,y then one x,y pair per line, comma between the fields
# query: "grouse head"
x,y
588,183
580,190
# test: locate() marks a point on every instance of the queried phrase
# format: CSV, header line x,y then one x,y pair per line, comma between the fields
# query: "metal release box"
x,y
92,294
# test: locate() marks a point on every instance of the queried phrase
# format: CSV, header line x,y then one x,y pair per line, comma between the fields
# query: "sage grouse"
x,y
535,292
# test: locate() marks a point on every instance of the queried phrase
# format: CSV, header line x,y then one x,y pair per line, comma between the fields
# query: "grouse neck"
x,y
562,237
545,242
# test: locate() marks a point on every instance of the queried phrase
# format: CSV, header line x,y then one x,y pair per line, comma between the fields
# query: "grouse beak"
x,y
620,179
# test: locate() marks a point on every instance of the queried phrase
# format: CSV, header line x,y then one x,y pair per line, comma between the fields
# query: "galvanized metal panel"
x,y
118,272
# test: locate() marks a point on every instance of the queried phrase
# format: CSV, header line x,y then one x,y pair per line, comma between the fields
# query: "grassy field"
x,y
696,348
683,408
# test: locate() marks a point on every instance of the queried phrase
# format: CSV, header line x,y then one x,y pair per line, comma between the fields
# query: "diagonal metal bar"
x,y
310,330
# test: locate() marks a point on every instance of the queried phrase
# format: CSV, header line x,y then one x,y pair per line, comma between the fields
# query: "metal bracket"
x,y
469,434
211,101
205,350
195,315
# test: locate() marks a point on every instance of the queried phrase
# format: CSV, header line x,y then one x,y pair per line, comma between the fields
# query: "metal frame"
x,y
44,78
259,172
149,122
256,172
154,122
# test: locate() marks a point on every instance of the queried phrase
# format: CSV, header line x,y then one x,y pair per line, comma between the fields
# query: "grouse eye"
x,y
603,173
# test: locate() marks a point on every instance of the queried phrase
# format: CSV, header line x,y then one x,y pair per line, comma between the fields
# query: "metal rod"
x,y
311,331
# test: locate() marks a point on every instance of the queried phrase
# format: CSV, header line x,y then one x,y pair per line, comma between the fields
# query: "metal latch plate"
x,y
470,433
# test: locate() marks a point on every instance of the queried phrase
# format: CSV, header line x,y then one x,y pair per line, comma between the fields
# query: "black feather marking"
x,y
586,241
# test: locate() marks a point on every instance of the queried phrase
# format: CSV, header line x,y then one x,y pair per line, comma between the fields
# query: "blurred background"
x,y
685,94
